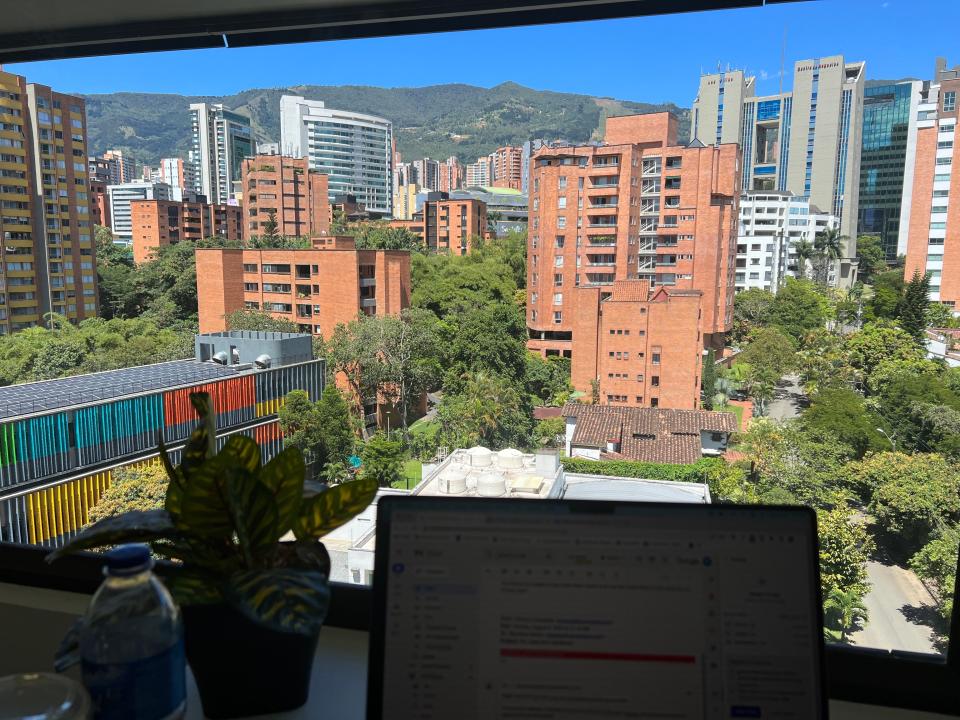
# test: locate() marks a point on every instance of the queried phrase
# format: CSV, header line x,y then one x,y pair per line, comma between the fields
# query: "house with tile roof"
x,y
656,435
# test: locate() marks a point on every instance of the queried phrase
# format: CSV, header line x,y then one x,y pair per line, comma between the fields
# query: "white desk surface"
x,y
32,621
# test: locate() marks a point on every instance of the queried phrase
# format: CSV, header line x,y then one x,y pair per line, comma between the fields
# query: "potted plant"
x,y
253,602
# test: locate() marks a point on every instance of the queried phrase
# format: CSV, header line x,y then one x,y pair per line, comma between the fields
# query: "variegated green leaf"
x,y
133,526
203,509
241,452
193,588
284,477
174,496
333,507
253,512
284,599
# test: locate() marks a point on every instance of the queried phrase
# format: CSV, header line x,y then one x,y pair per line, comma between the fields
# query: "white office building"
x,y
221,139
771,225
177,172
120,197
354,150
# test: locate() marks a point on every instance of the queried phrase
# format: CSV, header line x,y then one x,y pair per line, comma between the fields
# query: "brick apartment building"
x,y
99,203
638,207
506,167
296,196
451,175
318,288
47,255
158,223
448,225
933,212
641,344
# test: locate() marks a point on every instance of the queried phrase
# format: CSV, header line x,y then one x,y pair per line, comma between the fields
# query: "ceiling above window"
x,y
49,29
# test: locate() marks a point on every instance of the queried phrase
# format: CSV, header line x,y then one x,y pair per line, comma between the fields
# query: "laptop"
x,y
573,610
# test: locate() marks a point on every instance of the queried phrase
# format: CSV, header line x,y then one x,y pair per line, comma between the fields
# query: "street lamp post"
x,y
893,444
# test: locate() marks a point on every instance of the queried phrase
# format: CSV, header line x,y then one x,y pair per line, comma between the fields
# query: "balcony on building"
x,y
601,240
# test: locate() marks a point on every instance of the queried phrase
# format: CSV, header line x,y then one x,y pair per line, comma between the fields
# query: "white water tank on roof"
x,y
454,482
491,485
479,456
510,459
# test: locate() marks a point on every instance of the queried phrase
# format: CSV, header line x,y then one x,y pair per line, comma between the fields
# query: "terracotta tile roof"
x,y
543,413
677,449
630,291
647,434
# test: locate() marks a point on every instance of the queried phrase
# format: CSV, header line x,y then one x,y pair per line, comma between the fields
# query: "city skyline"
x,y
812,30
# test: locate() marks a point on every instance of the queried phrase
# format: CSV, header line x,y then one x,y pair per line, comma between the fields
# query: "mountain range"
x,y
435,121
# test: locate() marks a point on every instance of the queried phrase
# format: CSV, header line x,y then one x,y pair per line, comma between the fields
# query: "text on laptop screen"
x,y
515,610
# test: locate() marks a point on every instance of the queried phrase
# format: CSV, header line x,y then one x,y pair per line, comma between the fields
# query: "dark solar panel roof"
x,y
46,395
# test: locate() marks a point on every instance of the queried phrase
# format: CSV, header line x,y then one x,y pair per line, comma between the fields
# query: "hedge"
x,y
697,472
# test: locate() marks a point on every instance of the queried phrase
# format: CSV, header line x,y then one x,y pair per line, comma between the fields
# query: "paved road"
x,y
787,399
897,602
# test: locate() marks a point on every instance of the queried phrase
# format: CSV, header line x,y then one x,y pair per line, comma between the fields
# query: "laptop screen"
x,y
527,609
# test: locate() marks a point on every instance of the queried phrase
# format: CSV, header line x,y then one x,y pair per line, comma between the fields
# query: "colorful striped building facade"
x,y
56,463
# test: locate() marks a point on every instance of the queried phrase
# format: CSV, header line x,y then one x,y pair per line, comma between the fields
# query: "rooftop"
x,y
646,434
45,395
599,487
479,472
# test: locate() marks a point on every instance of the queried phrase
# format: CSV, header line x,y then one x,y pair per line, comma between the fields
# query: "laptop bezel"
x,y
387,505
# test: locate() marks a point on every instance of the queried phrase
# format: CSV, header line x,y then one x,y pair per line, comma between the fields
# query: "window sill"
x,y
855,676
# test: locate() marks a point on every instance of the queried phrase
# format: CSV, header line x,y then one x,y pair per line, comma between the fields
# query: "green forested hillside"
x,y
436,121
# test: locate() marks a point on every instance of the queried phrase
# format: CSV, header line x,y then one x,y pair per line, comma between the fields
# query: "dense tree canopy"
x,y
799,308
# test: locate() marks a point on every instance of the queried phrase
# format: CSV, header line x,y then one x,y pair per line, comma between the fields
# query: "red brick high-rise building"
x,y
506,167
286,188
638,207
451,175
933,236
448,225
158,223
641,345
317,288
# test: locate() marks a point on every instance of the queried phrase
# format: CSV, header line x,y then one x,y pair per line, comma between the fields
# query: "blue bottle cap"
x,y
129,559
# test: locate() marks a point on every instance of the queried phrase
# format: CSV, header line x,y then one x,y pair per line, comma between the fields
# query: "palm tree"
x,y
829,247
844,612
805,251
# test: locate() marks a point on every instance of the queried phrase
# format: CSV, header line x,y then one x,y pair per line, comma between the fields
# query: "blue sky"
x,y
651,59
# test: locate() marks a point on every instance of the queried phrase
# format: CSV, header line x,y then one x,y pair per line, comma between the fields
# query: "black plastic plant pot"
x,y
243,668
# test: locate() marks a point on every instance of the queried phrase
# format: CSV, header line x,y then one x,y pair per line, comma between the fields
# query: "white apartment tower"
x,y
806,141
771,225
354,150
221,140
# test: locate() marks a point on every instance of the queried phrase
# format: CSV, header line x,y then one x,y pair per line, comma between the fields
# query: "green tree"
x,y
382,460
408,349
547,379
380,236
338,223
845,547
250,319
876,343
751,309
770,349
922,410
828,247
708,380
489,339
487,410
549,430
805,252
844,612
940,316
842,413
270,229
887,292
912,497
871,256
321,430
135,487
936,562
799,308
912,312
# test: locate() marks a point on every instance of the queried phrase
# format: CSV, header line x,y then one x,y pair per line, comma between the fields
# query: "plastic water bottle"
x,y
131,643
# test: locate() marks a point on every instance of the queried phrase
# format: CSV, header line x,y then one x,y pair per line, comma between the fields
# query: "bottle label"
x,y
146,689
